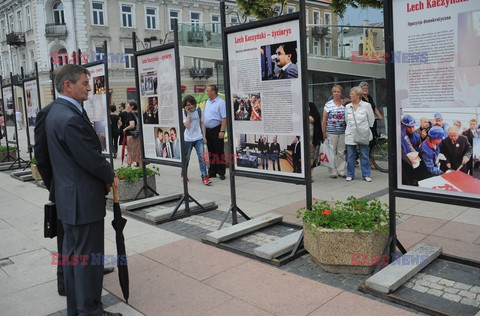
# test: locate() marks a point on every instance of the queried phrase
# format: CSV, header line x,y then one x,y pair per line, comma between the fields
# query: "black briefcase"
x,y
50,225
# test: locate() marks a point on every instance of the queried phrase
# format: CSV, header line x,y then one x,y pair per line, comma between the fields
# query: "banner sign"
x,y
32,106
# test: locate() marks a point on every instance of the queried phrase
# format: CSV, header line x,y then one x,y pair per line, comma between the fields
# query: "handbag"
x,y
50,225
358,138
136,132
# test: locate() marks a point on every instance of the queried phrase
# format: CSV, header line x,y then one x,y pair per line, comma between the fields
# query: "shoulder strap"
x,y
200,114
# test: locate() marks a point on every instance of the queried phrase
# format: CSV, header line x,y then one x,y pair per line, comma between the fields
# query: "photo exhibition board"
x,y
158,107
9,113
266,99
437,95
96,106
32,106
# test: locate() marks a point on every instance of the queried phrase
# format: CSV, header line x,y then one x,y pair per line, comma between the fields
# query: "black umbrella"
x,y
118,224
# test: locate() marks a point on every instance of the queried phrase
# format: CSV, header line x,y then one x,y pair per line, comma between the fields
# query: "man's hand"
x,y
465,160
204,140
221,135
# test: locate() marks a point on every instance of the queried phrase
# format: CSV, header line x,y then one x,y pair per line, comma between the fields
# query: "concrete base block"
x,y
142,203
22,175
164,213
278,247
398,272
243,228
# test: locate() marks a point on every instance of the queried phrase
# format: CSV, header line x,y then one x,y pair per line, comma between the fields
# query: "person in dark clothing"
x,y
114,128
297,155
457,150
275,153
124,119
316,134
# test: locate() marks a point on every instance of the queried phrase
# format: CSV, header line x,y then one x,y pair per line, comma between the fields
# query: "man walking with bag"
x,y
81,179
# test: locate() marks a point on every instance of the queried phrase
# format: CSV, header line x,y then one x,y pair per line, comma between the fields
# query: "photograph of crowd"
x,y
150,112
433,147
99,85
149,83
247,107
280,153
279,61
167,145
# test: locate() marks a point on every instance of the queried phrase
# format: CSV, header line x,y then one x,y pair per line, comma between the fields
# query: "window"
x,y
316,18
1,66
195,21
10,23
98,53
290,9
174,15
127,18
98,13
58,16
316,47
32,60
197,63
4,31
234,20
29,17
19,21
215,24
151,14
24,61
328,20
14,65
62,57
328,47
129,58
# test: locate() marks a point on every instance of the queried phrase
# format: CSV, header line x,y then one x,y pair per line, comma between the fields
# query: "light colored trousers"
x,y
337,141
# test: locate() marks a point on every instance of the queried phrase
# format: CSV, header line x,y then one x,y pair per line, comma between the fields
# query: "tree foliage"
x,y
266,8
340,6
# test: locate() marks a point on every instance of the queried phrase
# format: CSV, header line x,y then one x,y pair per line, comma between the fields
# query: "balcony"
x,y
205,35
320,31
16,39
56,30
201,73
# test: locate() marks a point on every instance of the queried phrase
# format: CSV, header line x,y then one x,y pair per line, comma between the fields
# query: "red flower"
x,y
339,116
326,212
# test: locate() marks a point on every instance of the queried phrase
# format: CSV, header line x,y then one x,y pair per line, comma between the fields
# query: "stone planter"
x,y
344,251
35,174
128,190
3,154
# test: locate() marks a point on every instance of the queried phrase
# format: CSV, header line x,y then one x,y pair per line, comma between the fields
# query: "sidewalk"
x,y
173,275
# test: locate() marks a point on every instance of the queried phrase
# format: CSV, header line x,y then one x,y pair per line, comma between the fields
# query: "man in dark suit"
x,y
81,178
471,133
275,153
297,155
287,61
456,149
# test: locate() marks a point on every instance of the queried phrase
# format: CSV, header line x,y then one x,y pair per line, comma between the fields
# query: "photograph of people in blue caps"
x,y
440,150
279,61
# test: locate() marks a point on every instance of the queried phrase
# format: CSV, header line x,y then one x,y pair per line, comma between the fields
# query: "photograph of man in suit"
x,y
159,143
297,155
287,60
275,153
471,133
456,149
175,143
81,177
167,146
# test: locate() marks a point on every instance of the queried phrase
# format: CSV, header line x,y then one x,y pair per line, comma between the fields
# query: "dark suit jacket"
x,y
41,150
80,172
455,153
469,135
290,72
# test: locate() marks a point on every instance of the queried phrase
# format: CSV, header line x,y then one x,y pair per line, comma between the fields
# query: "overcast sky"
x,y
356,16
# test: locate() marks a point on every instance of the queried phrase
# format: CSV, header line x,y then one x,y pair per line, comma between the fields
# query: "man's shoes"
x,y
206,181
368,179
105,313
108,270
349,178
222,177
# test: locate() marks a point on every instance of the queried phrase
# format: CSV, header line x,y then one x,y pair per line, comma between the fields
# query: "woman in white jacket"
x,y
361,112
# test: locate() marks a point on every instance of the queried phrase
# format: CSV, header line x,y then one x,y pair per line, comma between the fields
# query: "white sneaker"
x,y
349,178
368,179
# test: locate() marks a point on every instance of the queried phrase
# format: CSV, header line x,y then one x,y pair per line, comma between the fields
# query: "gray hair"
x,y
454,129
70,72
362,84
357,90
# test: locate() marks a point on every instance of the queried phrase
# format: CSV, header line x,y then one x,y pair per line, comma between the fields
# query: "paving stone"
x,y
475,289
435,292
279,247
431,278
468,301
165,213
462,286
394,275
148,202
452,297
420,288
446,282
467,294
437,286
451,290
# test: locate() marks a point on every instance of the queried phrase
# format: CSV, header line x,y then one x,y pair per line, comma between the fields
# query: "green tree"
x,y
340,6
262,9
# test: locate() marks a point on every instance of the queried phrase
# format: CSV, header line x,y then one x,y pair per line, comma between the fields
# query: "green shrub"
x,y
130,174
356,214
33,161
3,149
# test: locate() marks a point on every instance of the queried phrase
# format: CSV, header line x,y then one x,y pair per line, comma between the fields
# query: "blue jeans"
x,y
200,149
364,160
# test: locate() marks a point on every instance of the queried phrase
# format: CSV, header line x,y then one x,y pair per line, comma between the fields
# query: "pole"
x,y
27,125
107,95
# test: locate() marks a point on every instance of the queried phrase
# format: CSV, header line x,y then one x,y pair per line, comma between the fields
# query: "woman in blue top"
x,y
333,127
